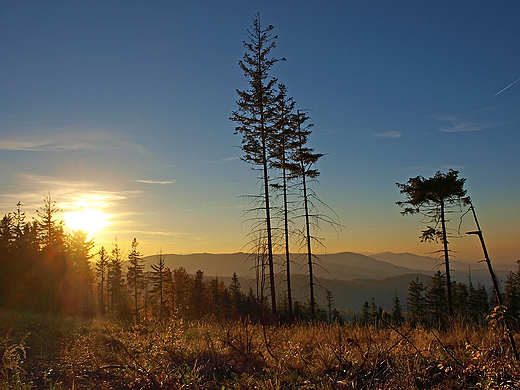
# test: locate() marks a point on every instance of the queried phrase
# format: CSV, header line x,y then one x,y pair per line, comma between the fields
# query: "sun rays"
x,y
89,220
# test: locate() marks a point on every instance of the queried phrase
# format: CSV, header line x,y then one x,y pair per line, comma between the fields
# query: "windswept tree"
x,y
433,198
255,119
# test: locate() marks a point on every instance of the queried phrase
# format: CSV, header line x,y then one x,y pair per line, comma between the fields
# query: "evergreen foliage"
x,y
135,275
416,303
433,198
256,122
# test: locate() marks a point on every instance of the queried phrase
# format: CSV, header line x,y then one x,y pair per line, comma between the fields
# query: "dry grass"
x,y
44,353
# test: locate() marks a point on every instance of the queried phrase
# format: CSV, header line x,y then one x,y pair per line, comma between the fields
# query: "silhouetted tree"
x,y
115,281
182,288
29,285
304,160
512,297
198,293
330,303
397,311
286,135
6,242
160,280
460,300
80,274
237,297
478,303
102,266
432,198
416,302
374,314
365,314
255,119
54,265
436,299
135,275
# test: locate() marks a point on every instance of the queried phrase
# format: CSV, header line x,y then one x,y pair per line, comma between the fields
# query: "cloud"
x,y
389,134
225,160
155,181
67,141
457,125
148,233
31,189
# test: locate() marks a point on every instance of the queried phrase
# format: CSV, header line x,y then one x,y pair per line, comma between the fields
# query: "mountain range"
x,y
353,278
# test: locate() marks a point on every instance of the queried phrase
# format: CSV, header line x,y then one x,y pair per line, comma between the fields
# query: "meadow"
x,y
44,352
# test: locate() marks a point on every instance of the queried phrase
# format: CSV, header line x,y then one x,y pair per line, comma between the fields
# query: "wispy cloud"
x,y
225,160
31,189
389,134
155,181
456,124
68,141
148,233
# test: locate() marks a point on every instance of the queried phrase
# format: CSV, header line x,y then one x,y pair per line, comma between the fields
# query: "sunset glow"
x,y
132,138
88,220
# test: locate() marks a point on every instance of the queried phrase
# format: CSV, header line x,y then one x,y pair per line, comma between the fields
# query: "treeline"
x,y
427,305
42,269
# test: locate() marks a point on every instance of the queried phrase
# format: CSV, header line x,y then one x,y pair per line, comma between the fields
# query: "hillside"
x,y
421,263
353,278
345,265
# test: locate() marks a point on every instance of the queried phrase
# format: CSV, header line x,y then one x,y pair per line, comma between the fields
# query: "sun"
x,y
88,220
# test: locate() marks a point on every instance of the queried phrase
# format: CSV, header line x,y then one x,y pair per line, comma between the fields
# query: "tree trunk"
x,y
446,260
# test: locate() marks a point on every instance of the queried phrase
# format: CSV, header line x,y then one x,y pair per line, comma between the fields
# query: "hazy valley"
x,y
352,278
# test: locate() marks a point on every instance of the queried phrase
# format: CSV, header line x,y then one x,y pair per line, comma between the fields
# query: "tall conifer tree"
x,y
433,198
255,119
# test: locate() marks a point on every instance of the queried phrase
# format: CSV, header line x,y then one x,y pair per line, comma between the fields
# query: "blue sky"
x,y
124,106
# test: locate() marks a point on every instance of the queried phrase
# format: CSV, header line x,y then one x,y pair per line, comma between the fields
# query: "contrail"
x,y
514,82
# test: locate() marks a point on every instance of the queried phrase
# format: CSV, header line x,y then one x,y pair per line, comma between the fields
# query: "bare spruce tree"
x,y
285,138
304,168
255,119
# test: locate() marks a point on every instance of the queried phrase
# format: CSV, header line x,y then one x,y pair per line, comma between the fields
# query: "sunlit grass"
x,y
50,353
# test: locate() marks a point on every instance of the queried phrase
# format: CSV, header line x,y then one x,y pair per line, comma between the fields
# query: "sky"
x,y
123,107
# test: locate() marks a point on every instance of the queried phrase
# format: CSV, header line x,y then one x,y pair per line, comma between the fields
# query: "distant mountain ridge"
x,y
352,277
422,263
343,265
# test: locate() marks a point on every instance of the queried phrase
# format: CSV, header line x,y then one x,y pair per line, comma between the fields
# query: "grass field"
x,y
39,352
